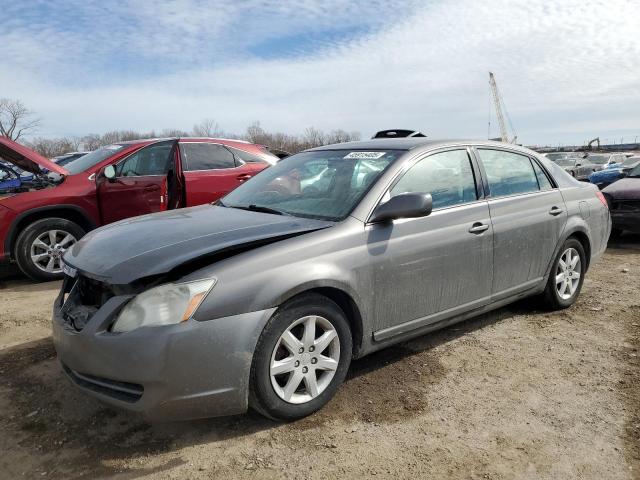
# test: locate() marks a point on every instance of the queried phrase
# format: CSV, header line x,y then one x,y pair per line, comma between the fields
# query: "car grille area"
x,y
123,391
626,205
85,297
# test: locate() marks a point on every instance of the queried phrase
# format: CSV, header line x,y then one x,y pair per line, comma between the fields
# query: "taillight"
x,y
602,198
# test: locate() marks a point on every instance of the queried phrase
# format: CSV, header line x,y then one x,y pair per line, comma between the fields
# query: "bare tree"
x,y
16,120
255,133
207,128
312,137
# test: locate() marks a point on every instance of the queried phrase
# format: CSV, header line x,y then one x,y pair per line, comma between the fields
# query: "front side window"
x,y
152,160
205,156
447,176
508,173
323,184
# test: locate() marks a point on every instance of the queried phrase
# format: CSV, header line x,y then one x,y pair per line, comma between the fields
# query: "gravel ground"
x,y
518,393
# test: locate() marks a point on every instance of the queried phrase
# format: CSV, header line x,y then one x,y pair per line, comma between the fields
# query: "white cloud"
x,y
565,68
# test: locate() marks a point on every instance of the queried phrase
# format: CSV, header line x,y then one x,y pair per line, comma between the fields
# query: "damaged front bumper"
x,y
193,369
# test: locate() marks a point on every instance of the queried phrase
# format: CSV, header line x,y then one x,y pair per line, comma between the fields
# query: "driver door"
x,y
140,186
436,266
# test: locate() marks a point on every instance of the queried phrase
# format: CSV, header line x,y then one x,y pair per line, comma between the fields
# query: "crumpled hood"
x,y
26,159
624,189
155,244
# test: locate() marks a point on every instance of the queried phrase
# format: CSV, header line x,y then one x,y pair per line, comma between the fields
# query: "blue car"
x,y
9,179
613,172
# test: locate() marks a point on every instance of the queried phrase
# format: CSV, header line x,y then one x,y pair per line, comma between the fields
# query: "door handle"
x,y
244,177
478,227
555,211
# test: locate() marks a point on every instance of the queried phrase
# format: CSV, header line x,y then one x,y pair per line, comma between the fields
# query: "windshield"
x,y
90,159
631,161
565,162
598,159
325,184
635,173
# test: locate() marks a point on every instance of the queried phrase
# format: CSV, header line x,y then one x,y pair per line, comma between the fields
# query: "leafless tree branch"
x,y
16,120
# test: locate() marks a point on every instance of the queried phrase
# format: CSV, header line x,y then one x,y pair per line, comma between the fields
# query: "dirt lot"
x,y
518,393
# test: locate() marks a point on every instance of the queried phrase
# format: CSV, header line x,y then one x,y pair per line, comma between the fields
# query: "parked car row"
x,y
615,171
263,299
623,197
40,219
580,164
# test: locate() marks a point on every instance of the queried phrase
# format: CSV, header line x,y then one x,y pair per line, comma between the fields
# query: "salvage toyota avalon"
x,y
263,299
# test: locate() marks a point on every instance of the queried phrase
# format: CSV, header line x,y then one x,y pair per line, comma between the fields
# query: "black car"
x,y
623,197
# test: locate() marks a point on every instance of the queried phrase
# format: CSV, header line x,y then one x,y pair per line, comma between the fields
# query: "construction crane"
x,y
498,103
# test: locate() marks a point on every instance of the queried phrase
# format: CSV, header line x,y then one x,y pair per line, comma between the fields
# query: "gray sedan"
x,y
263,299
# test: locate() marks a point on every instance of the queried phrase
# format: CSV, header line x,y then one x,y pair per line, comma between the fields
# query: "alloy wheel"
x,y
305,359
47,249
568,273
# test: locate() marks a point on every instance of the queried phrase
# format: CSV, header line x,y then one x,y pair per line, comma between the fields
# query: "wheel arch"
x,y
583,238
343,298
68,212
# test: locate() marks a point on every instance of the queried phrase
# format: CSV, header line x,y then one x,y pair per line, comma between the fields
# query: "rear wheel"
x,y
40,246
567,275
301,358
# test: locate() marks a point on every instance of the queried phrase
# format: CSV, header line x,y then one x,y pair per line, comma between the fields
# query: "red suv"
x,y
38,223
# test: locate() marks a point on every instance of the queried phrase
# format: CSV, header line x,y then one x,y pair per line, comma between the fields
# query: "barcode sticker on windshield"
x,y
365,155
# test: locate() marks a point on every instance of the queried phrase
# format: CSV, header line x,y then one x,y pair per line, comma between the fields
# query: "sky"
x,y
567,69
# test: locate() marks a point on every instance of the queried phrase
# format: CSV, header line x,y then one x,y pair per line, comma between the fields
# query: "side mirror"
x,y
110,173
405,205
578,164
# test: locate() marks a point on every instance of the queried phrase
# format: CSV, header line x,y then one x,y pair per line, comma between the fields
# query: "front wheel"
x,y
40,246
301,358
567,275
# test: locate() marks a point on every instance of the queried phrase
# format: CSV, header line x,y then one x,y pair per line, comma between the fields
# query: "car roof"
x,y
409,143
161,139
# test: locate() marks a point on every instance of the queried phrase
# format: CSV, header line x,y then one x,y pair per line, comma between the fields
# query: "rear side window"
x,y
447,176
152,160
508,173
205,156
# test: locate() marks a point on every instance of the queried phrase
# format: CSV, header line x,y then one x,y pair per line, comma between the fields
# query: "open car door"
x,y
140,184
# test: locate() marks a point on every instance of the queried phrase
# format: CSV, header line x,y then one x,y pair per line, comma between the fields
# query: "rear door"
x,y
438,265
528,215
140,186
211,171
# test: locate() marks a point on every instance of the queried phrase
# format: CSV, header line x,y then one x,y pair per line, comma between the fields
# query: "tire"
x,y
266,393
25,247
552,297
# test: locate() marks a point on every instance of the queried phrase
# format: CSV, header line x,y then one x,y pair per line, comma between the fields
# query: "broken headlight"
x,y
164,305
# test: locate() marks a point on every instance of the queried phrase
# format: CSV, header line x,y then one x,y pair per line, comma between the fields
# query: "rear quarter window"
x,y
246,157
